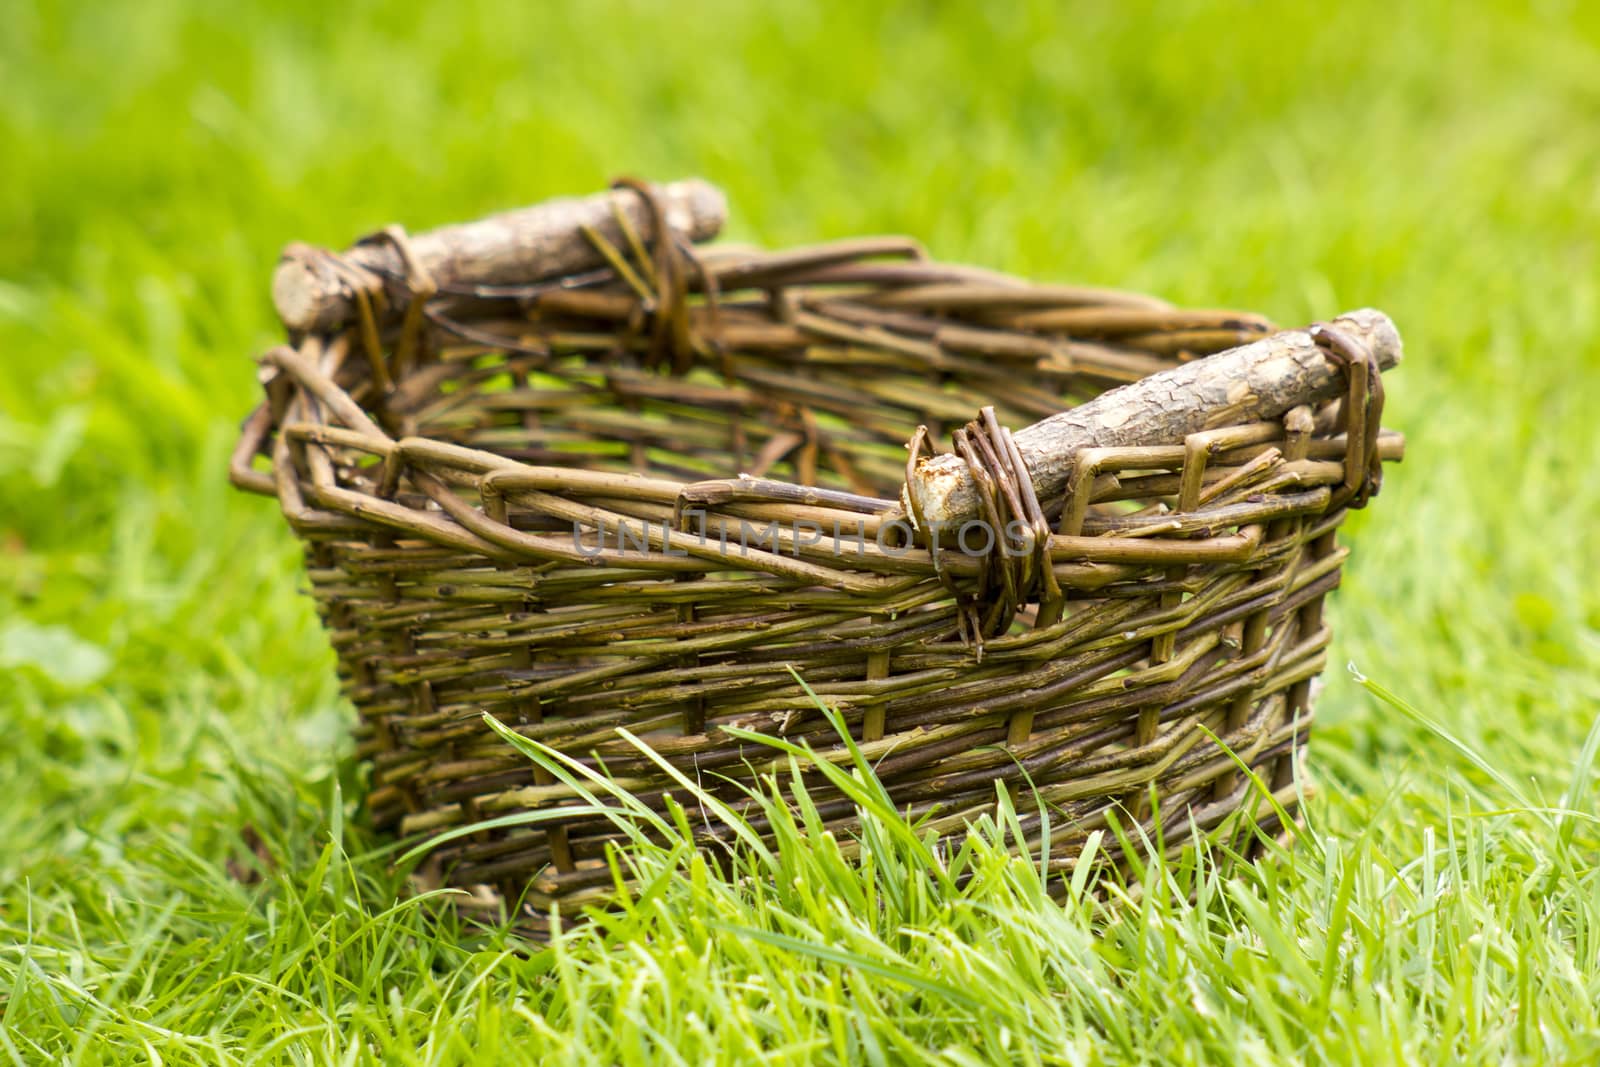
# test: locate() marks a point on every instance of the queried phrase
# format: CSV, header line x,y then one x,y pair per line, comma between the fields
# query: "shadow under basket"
x,y
622,479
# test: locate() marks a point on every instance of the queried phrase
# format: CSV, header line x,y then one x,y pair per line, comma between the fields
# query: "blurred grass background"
x,y
162,685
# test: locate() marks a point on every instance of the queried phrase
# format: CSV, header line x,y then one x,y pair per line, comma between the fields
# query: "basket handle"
x,y
314,289
1256,382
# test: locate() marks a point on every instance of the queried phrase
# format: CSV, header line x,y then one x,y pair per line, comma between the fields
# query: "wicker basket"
x,y
590,478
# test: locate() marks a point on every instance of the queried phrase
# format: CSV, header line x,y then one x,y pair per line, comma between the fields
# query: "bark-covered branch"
x,y
1254,382
526,245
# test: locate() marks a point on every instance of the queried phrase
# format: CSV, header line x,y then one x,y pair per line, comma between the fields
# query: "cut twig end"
x,y
705,209
299,290
1378,331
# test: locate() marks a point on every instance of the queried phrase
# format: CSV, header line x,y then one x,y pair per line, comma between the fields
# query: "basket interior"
x,y
806,378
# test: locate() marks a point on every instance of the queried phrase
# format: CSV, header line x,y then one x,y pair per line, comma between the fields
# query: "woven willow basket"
x,y
555,468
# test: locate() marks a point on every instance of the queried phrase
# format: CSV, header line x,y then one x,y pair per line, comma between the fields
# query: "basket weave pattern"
x,y
529,503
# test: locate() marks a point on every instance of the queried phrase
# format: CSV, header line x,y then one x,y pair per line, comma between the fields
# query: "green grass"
x,y
163,686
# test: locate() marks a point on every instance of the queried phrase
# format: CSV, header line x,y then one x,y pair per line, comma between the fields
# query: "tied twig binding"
x,y
1363,413
1016,535
662,282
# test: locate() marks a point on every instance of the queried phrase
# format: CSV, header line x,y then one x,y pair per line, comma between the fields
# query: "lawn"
x,y
185,876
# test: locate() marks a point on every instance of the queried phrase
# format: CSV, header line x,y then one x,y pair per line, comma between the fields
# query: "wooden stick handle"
x,y
526,245
1252,383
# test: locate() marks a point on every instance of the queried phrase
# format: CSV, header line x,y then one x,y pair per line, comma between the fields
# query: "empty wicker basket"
x,y
564,467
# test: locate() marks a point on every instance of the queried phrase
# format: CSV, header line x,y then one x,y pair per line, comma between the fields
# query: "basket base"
x,y
1231,835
